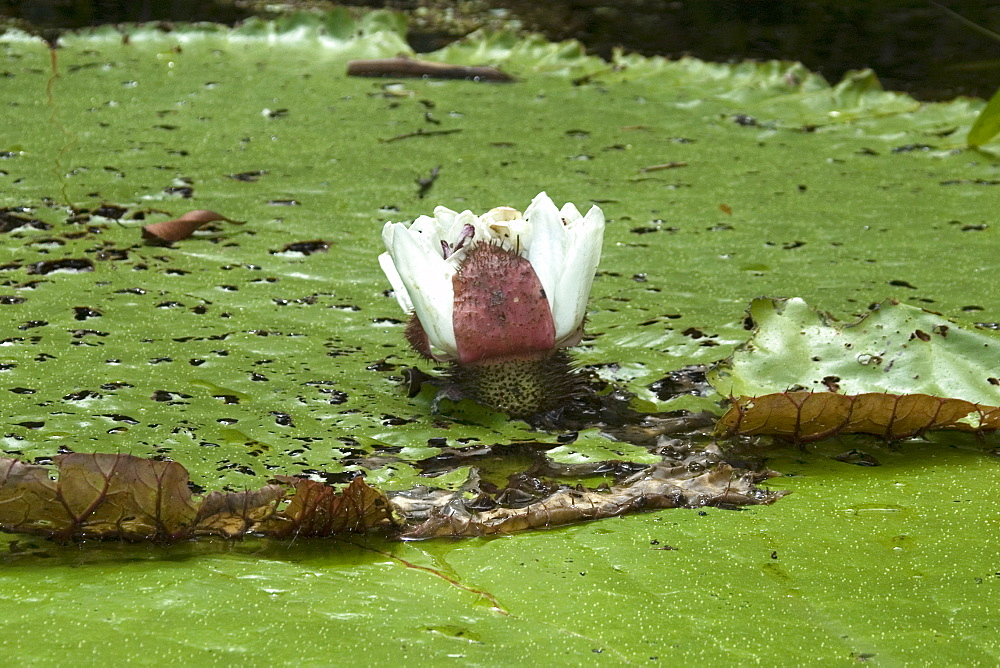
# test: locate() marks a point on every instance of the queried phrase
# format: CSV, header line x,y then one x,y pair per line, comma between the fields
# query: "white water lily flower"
x,y
496,285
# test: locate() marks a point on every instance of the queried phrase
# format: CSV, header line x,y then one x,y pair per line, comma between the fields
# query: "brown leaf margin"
x,y
804,417
183,227
120,496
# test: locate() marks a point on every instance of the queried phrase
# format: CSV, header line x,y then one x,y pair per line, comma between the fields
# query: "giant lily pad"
x,y
271,349
898,372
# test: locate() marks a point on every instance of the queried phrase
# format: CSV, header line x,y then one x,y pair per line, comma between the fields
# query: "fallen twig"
x,y
402,66
666,165
420,133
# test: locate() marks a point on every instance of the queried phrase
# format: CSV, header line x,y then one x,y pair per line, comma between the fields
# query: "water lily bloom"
x,y
503,287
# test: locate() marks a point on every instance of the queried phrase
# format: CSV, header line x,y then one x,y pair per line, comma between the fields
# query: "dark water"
x,y
916,46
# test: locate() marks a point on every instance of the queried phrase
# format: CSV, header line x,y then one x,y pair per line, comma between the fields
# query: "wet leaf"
x,y
897,373
658,487
101,496
316,509
895,348
802,417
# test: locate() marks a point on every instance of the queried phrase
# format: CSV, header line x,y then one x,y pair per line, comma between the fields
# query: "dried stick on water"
x,y
402,66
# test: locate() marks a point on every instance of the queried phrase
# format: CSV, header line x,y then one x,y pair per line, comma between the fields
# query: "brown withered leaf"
x,y
29,499
100,496
96,496
318,510
803,417
235,514
183,227
660,486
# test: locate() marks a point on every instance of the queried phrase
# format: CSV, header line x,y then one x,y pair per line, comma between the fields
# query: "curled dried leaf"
x,y
101,496
235,514
660,486
316,509
183,227
803,417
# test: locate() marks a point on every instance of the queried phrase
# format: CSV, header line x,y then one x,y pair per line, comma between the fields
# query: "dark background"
x,y
916,46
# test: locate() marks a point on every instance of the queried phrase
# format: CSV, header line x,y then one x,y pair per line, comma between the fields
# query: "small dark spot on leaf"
x,y
283,202
305,247
381,366
857,458
744,120
165,395
110,211
72,265
184,191
31,324
909,148
689,380
832,383
902,284
80,333
84,312
282,419
9,300
336,397
117,417
248,177
81,395
22,390
114,386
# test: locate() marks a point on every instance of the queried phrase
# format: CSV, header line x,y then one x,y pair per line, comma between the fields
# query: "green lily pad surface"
x,y
274,347
895,349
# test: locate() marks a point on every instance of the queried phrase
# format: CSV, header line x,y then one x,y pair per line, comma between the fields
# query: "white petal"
x,y
427,277
425,231
445,217
583,254
398,289
548,244
569,212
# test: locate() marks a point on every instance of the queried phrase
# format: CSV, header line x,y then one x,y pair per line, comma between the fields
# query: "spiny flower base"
x,y
519,387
